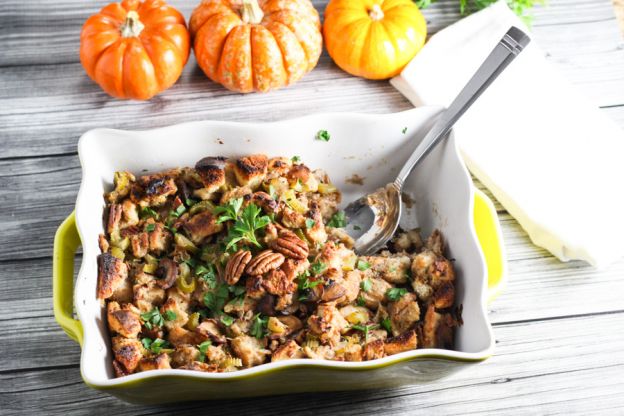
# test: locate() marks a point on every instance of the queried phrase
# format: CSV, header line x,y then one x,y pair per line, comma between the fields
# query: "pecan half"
x,y
265,261
290,245
236,266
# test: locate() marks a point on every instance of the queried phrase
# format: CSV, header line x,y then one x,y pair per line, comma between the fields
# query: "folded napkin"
x,y
555,162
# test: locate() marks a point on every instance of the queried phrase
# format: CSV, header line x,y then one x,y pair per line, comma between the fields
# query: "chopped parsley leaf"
x,y
365,329
154,346
363,265
323,135
227,320
387,324
148,212
310,223
366,285
317,268
203,348
404,130
229,210
396,293
150,227
155,318
258,326
338,220
295,159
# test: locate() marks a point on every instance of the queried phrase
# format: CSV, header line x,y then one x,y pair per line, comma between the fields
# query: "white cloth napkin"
x,y
554,161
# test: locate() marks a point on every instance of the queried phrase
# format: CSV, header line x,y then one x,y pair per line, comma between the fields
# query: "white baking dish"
x,y
371,146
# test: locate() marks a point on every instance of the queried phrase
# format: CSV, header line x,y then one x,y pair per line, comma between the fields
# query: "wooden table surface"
x,y
559,327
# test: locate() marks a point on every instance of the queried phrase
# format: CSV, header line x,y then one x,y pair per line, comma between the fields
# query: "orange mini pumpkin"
x,y
256,45
373,39
135,49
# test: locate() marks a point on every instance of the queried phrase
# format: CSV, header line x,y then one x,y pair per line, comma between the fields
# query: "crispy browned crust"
x,y
404,342
444,296
277,283
279,165
124,321
114,218
119,369
264,201
159,362
373,350
250,170
201,226
438,329
157,185
211,172
128,352
112,273
299,173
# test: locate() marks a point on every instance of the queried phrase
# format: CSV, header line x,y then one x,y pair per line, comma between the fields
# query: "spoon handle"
x,y
503,53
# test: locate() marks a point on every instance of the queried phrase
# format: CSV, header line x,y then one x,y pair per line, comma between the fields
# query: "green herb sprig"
x,y
365,329
396,293
155,318
338,220
259,326
155,346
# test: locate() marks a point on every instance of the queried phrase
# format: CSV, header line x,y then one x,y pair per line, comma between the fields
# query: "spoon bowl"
x,y
373,219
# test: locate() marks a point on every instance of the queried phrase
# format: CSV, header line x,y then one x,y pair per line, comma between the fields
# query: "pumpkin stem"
x,y
132,27
252,13
376,13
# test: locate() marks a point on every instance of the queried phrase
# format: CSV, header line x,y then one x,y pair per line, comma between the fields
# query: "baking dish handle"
x,y
491,241
66,242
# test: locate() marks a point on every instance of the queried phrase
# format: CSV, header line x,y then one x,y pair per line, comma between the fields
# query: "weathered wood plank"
x,y
584,45
540,368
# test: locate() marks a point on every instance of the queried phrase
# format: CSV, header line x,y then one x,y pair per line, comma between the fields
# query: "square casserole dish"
x,y
371,146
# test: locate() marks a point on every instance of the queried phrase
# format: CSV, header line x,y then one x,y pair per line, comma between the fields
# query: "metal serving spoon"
x,y
374,218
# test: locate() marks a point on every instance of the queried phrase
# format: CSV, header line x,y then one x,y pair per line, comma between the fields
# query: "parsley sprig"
x,y
338,220
155,318
155,345
246,223
259,326
203,348
323,135
387,324
229,211
365,329
396,293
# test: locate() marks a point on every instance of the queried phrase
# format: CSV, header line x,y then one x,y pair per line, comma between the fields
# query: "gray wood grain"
x,y
538,369
558,325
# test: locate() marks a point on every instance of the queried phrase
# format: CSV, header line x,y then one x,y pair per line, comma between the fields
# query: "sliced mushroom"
x,y
167,273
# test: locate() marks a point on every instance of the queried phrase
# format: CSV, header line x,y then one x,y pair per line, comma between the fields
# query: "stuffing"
x,y
231,264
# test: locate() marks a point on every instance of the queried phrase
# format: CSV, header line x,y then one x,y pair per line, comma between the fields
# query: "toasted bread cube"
x,y
159,362
404,342
251,170
201,226
124,320
113,281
